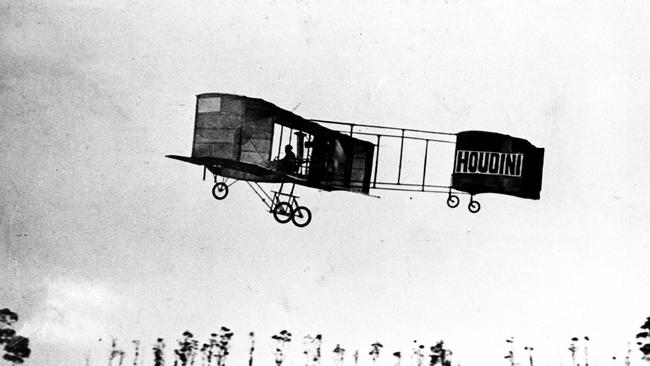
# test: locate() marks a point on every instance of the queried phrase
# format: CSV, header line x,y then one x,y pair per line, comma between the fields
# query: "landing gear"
x,y
301,216
283,212
473,206
220,191
289,210
283,205
453,201
220,188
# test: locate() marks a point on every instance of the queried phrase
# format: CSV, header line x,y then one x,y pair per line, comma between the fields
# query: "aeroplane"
x,y
238,138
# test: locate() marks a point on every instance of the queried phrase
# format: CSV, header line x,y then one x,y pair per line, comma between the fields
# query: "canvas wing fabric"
x,y
488,162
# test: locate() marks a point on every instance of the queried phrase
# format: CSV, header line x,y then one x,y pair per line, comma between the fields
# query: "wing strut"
x,y
269,203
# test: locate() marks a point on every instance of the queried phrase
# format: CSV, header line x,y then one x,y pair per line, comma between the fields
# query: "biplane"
x,y
238,138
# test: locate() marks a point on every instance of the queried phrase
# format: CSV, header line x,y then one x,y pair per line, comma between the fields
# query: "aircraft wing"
x,y
196,161
239,170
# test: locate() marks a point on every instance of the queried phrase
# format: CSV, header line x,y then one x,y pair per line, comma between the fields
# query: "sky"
x,y
101,236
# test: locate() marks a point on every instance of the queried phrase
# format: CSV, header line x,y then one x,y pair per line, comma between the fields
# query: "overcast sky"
x,y
101,236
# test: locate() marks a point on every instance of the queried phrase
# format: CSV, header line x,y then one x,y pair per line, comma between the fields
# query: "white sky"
x,y
101,235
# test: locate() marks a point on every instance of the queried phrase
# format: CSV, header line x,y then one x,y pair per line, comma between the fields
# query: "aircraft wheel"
x,y
453,201
220,191
474,206
301,216
283,212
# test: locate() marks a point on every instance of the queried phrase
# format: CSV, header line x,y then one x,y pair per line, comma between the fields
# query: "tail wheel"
x,y
220,191
474,206
301,216
283,212
453,201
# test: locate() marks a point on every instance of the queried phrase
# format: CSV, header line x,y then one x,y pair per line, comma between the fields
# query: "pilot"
x,y
288,162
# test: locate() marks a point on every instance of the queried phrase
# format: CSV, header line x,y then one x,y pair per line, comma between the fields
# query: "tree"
x,y
339,354
251,350
136,352
281,340
223,345
398,358
439,354
115,352
312,349
530,354
644,339
186,350
573,348
511,352
159,352
586,349
16,348
204,354
417,353
374,352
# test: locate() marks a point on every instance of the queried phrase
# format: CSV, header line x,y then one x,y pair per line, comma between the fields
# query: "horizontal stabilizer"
x,y
488,162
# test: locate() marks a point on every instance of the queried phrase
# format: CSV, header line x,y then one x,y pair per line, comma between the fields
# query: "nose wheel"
x,y
220,188
220,191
